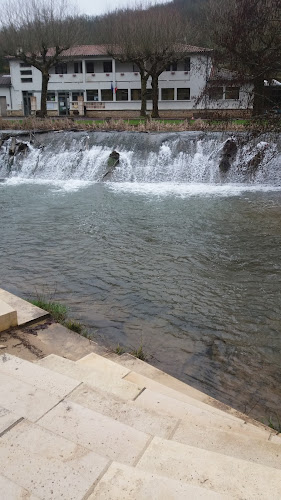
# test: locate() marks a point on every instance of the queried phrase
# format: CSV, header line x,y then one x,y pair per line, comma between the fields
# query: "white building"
x,y
91,82
5,95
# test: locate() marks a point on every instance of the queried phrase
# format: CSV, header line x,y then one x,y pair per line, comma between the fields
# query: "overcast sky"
x,y
97,7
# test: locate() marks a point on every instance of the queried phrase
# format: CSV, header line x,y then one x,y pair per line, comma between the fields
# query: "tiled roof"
x,y
102,50
86,50
5,81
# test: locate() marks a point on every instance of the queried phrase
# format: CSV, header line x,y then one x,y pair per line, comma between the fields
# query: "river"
x,y
169,254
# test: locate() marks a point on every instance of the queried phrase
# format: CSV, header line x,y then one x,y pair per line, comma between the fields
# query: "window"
x,y
122,95
136,94
107,95
61,69
75,95
183,94
90,67
172,67
168,95
26,72
215,93
136,69
232,93
24,65
186,65
51,96
92,95
26,80
107,67
77,66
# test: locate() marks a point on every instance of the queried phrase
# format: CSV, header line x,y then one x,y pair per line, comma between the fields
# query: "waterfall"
x,y
181,158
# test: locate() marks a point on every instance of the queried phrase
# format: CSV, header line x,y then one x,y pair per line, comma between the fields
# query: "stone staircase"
x,y
108,427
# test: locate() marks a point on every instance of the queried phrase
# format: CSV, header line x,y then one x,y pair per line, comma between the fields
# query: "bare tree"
x,y
151,39
247,37
38,32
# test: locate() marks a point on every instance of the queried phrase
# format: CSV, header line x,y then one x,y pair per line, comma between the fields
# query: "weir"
x,y
184,157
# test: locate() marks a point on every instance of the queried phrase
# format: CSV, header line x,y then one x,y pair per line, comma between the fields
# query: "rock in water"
x,y
112,163
229,151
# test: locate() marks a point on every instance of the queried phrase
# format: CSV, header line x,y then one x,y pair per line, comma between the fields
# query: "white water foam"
x,y
59,185
189,189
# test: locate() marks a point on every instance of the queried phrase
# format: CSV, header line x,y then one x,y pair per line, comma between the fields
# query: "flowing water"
x,y
170,253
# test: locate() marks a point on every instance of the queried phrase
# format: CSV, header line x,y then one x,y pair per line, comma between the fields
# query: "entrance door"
x,y
3,106
26,103
63,103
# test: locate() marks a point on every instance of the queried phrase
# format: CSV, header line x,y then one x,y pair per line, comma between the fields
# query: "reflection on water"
x,y
195,279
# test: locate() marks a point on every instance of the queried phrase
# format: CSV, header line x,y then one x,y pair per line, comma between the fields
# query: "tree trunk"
x,y
154,85
45,81
258,104
144,79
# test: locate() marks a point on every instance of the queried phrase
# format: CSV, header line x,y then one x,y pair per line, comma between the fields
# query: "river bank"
x,y
272,124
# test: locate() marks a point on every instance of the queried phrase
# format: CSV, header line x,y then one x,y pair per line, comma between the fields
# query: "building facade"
x,y
5,95
90,82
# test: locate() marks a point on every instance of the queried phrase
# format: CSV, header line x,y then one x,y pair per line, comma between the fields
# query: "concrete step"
x,y
26,312
226,475
149,371
229,443
137,365
37,376
121,482
8,316
45,475
190,414
24,399
36,441
12,491
126,412
156,387
104,435
7,419
94,361
106,380
101,365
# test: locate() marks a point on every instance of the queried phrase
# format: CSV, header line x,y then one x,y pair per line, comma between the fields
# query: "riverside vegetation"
x,y
59,313
212,123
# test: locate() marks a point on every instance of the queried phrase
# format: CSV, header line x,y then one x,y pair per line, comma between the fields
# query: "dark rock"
x,y
255,162
228,154
22,147
112,163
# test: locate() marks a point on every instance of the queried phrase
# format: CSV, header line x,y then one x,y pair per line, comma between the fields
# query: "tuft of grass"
x,y
274,423
58,311
139,353
59,314
119,350
73,325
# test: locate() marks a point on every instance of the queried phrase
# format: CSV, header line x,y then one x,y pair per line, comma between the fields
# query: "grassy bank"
x,y
142,125
59,313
